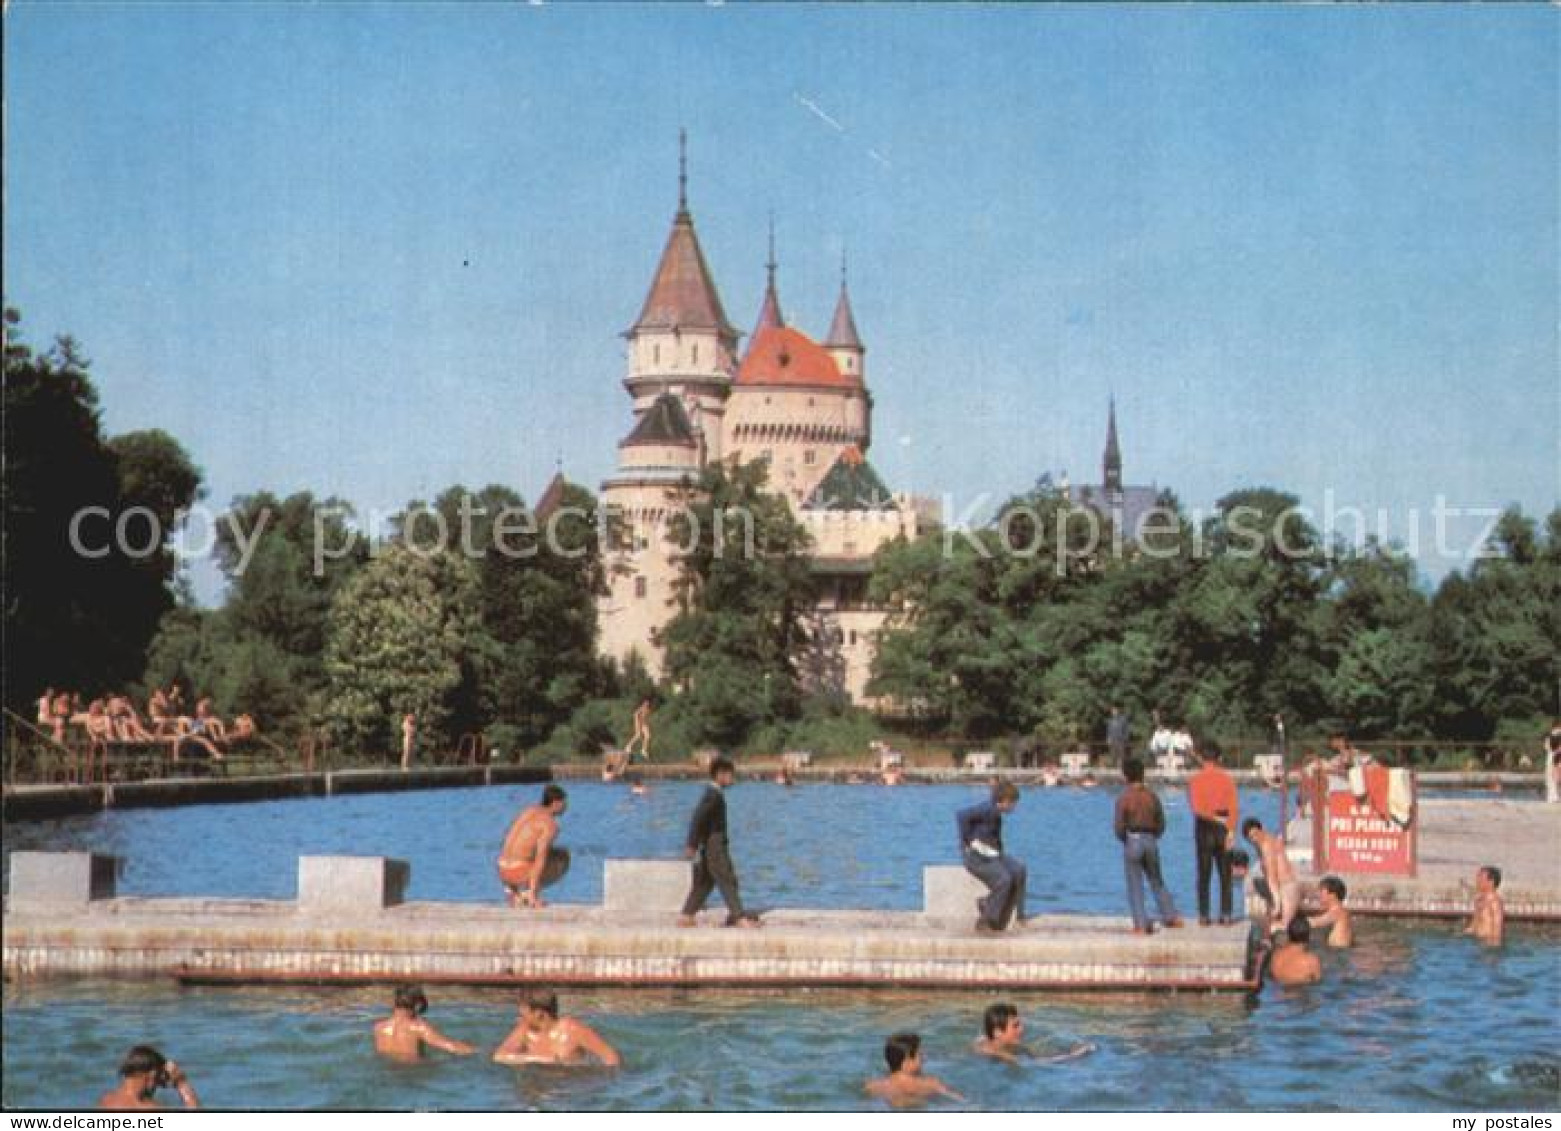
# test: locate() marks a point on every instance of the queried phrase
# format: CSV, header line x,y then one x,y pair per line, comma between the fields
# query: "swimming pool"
x,y
1415,1018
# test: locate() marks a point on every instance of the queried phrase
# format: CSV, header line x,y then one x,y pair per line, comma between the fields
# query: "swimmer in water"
x,y
541,1036
1004,1039
528,862
1331,893
905,1084
402,1035
1292,964
141,1073
1490,916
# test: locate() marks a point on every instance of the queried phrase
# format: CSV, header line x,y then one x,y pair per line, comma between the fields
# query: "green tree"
x,y
398,641
743,588
79,615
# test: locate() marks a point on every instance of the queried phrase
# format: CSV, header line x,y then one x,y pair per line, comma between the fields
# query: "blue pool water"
x,y
1414,1018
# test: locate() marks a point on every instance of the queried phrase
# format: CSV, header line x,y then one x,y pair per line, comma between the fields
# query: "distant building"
x,y
1124,506
801,406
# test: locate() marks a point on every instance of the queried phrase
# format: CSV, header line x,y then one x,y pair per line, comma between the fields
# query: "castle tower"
x,y
682,343
682,354
842,341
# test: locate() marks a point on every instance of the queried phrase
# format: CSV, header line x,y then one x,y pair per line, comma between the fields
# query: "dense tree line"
x,y
1032,625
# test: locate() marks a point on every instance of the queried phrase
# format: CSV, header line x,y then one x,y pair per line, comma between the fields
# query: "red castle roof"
x,y
779,355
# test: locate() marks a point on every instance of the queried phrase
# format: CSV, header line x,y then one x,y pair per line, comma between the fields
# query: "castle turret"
x,y
682,342
842,341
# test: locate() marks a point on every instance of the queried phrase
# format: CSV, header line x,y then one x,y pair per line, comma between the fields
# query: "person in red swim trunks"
x,y
529,860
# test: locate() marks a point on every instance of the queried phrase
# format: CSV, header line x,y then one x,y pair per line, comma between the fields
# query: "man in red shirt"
x,y
1215,807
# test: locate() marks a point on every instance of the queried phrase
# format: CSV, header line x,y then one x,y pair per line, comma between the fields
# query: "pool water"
x,y
1414,1018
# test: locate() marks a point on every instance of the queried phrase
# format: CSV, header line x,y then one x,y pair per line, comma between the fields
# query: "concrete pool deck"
x,y
348,926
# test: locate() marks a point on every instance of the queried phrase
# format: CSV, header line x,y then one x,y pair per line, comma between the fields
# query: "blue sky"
x,y
373,251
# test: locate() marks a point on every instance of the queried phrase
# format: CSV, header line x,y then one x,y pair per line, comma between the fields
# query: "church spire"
x,y
769,312
1112,477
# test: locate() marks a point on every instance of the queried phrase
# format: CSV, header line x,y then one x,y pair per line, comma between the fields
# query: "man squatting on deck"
x,y
707,847
529,862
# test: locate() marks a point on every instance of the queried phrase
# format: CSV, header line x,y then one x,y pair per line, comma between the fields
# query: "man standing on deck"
x,y
708,848
1139,822
981,848
1215,807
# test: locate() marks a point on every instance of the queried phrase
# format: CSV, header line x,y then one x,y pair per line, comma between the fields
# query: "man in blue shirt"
x,y
981,846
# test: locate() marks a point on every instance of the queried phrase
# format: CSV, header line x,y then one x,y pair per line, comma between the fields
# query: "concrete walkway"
x,y
234,941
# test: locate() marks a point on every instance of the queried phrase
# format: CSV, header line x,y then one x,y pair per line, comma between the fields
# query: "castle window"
x,y
639,587
655,354
848,548
696,353
853,638
810,402
807,457
851,364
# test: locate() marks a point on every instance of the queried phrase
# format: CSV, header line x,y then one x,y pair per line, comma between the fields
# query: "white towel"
x,y
1401,795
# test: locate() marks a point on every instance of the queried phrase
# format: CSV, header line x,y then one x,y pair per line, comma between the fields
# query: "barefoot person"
x,y
408,739
1003,1038
641,732
1331,893
141,1073
707,846
541,1036
1139,822
1292,964
529,862
1490,916
905,1084
981,849
402,1035
1278,873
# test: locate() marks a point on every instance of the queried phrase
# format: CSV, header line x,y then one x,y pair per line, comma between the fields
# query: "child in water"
x,y
905,1084
402,1035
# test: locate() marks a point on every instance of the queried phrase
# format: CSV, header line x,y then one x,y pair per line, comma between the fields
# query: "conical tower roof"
x,y
683,295
842,328
770,317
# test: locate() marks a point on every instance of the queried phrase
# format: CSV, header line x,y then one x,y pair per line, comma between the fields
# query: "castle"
x,y
801,406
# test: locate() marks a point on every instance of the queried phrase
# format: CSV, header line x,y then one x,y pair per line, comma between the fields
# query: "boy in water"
x,y
1004,1038
1292,964
1490,917
402,1035
1331,893
905,1084
528,862
541,1036
141,1073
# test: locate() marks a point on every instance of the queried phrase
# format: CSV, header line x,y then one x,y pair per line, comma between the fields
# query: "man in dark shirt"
x,y
707,847
981,846
1139,823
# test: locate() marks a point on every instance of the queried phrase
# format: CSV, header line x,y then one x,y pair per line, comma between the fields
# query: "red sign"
x,y
1362,840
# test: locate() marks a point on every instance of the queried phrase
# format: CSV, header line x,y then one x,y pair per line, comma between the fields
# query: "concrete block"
x,y
981,760
646,885
1075,763
351,883
797,759
950,892
60,880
